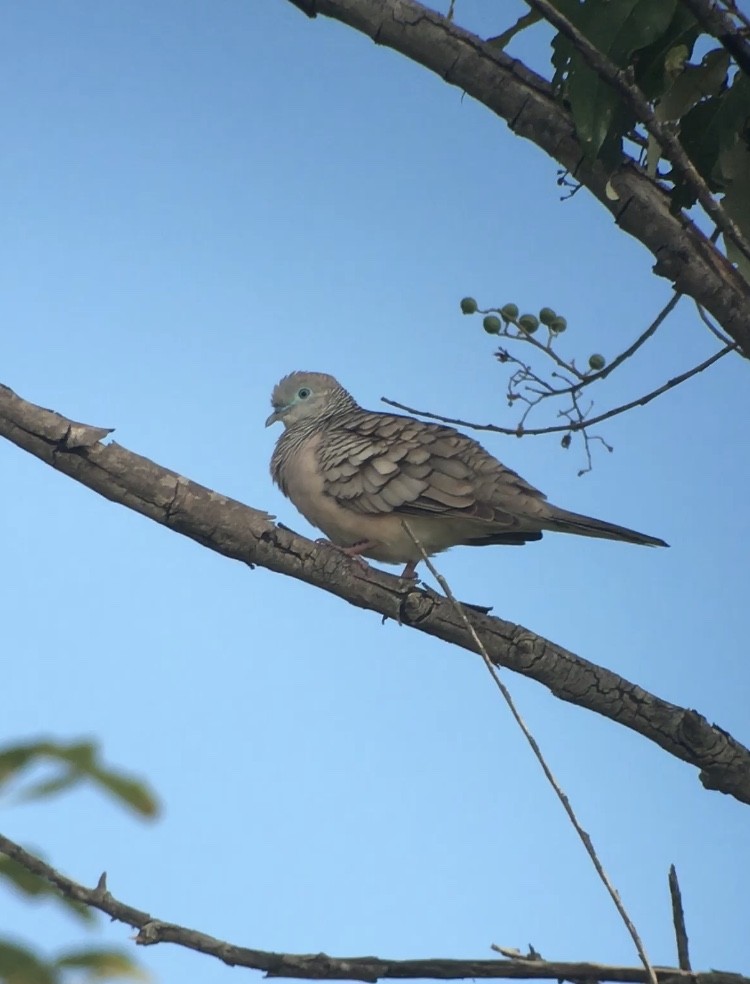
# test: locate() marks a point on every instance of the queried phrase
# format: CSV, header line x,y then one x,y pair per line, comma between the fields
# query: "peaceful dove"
x,y
357,474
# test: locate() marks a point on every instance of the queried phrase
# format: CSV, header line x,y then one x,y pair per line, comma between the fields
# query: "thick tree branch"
x,y
524,99
319,966
249,535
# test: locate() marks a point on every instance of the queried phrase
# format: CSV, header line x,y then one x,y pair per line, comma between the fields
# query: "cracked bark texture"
x,y
524,100
249,535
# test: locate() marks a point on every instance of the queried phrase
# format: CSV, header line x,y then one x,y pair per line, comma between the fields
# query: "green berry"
x,y
597,362
558,325
468,305
492,325
509,311
528,323
547,316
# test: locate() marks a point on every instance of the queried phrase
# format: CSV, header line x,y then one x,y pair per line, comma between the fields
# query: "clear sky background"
x,y
196,199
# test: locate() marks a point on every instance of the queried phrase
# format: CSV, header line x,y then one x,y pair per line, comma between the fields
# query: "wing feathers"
x,y
379,463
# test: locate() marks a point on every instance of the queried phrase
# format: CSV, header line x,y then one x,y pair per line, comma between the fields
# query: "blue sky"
x,y
197,199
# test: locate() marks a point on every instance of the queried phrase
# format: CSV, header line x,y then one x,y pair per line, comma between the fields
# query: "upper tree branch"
x,y
249,535
524,99
319,966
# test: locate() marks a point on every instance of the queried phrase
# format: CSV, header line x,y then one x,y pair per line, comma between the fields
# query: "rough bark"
x,y
249,535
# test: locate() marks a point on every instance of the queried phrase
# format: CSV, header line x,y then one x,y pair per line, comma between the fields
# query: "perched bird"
x,y
356,475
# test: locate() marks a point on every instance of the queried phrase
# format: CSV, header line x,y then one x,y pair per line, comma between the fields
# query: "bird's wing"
x,y
375,463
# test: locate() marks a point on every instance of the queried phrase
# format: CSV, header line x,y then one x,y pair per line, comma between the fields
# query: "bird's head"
x,y
306,396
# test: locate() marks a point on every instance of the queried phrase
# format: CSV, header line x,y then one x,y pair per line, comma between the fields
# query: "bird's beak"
x,y
274,418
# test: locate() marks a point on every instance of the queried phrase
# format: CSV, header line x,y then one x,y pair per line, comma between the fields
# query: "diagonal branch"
x,y
571,425
320,966
525,100
249,535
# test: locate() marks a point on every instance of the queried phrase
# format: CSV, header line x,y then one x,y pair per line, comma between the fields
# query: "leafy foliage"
x,y
74,764
706,104
21,965
71,764
626,28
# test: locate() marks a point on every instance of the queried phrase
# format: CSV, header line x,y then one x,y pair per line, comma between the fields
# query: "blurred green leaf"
x,y
19,965
101,965
49,786
34,886
131,791
75,762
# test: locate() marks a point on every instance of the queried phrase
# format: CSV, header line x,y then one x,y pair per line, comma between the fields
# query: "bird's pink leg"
x,y
410,571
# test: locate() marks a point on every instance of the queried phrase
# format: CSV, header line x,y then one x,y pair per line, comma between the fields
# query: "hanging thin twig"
x,y
559,792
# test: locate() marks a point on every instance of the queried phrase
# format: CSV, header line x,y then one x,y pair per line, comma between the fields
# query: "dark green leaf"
x,y
600,117
650,61
710,129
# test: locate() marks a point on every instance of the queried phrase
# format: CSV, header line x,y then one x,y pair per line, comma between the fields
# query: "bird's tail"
x,y
563,521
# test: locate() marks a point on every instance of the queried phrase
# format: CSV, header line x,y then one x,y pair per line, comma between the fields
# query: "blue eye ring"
x,y
303,393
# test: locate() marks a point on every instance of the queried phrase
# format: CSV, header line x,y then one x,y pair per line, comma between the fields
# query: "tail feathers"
x,y
503,539
562,521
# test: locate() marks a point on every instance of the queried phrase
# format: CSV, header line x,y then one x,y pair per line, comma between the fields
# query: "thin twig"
x,y
717,332
513,954
584,837
571,426
520,388
638,103
632,349
321,966
550,352
678,917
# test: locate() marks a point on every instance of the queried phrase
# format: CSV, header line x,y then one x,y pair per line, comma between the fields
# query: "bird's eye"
x,y
303,393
